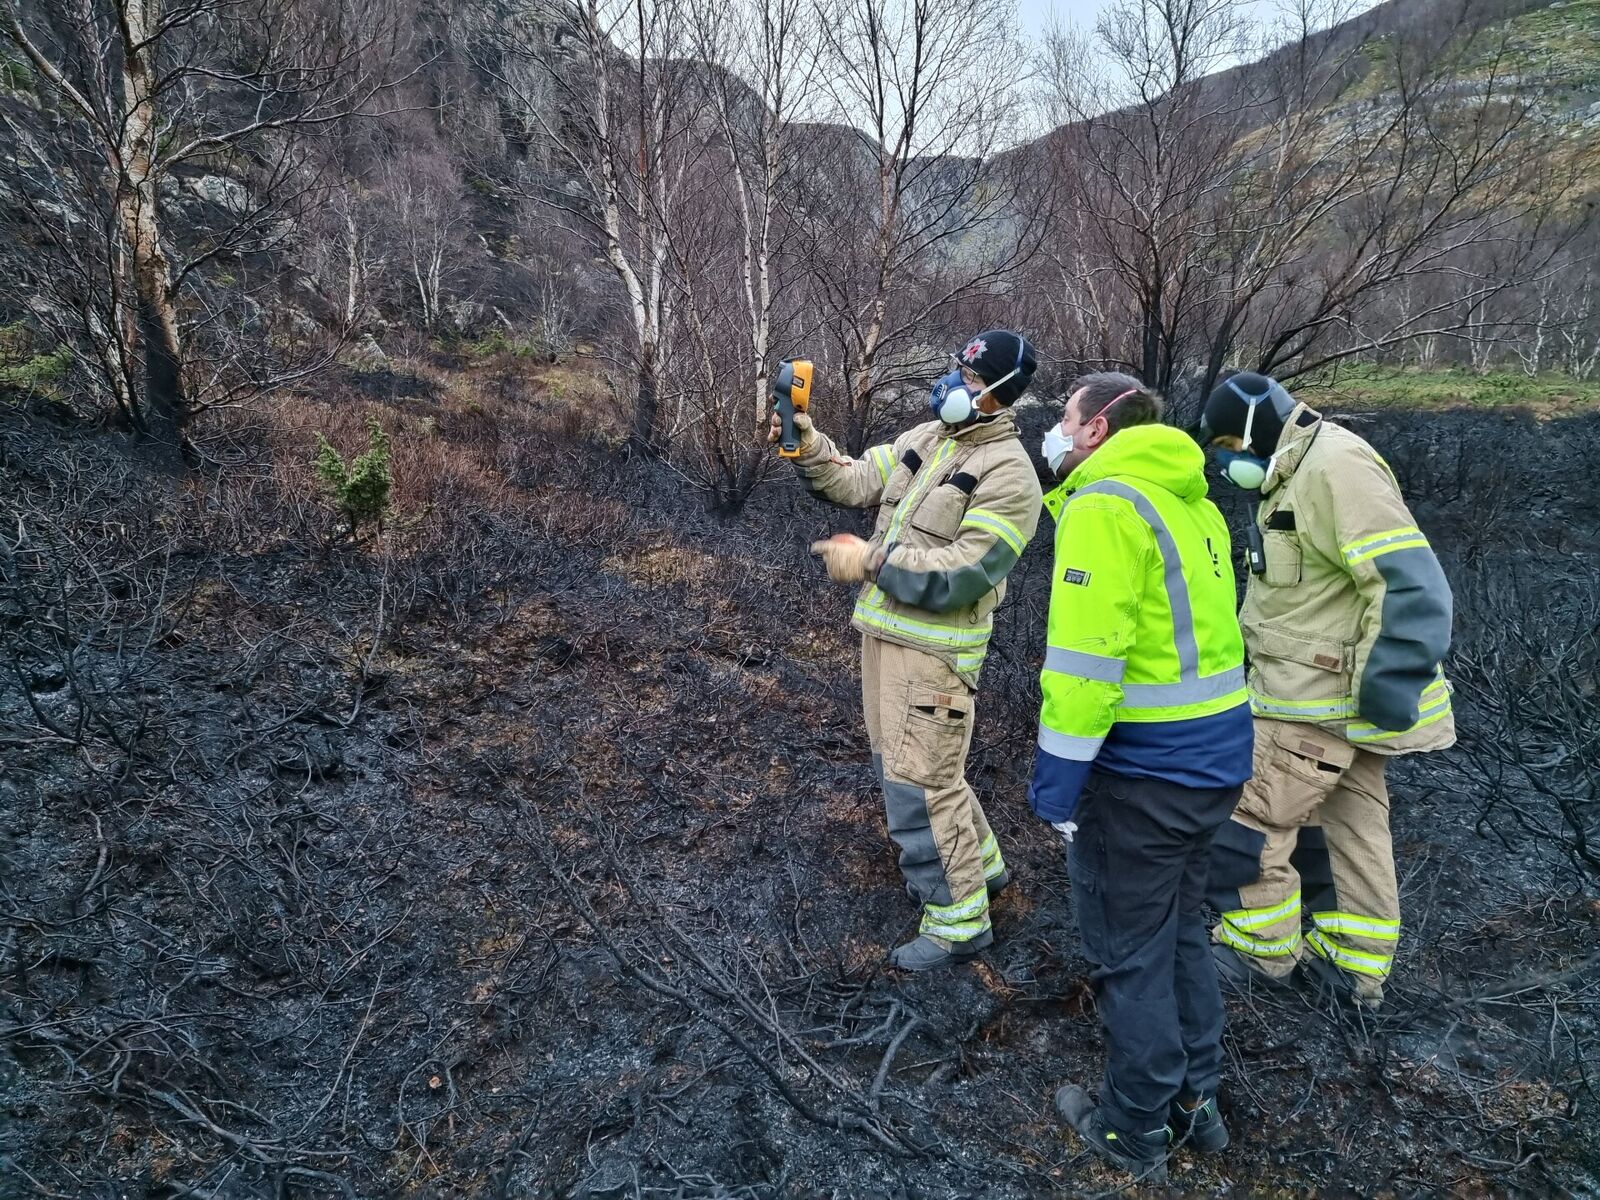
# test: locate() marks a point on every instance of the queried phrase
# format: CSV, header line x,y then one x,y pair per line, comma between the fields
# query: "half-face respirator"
x,y
954,403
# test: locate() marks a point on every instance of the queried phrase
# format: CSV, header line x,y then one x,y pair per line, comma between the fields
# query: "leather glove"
x,y
849,559
802,426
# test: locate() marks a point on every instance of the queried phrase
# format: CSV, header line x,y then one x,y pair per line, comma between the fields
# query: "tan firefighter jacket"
x,y
1350,622
956,506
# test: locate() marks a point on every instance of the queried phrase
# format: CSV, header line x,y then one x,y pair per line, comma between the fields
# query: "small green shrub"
x,y
23,368
360,488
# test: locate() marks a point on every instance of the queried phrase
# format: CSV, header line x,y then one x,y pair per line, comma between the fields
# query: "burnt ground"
x,y
530,849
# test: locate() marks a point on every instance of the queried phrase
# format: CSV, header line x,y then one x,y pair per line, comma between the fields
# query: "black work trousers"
x,y
1138,864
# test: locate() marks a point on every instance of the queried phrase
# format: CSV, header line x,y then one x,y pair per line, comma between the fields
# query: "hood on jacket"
x,y
1156,454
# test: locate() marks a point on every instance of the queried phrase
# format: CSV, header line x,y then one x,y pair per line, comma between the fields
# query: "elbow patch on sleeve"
x,y
956,588
1413,637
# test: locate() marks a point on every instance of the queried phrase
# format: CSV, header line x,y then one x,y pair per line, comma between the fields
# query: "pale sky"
x,y
1033,16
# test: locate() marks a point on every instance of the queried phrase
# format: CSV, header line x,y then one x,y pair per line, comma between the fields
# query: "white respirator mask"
x,y
1058,444
1055,447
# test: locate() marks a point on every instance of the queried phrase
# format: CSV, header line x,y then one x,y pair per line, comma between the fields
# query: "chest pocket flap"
x,y
939,513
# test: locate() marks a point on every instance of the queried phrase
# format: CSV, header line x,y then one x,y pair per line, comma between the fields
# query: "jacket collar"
x,y
981,433
1295,440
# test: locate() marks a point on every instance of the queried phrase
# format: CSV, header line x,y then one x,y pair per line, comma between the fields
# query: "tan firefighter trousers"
x,y
919,719
1309,843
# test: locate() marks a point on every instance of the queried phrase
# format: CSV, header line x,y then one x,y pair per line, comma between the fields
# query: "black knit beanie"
x,y
1229,404
996,353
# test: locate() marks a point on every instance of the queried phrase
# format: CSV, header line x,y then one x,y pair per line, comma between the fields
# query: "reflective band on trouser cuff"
x,y
1183,638
883,459
1259,918
1272,706
1405,538
982,518
1358,961
1379,929
1098,667
993,863
958,922
1435,707
1257,947
1185,691
1069,746
1238,928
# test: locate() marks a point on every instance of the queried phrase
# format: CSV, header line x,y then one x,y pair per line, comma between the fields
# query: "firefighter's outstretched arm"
x,y
833,475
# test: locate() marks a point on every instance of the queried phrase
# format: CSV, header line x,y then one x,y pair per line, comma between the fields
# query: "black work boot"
x,y
1201,1126
1326,980
927,953
1144,1155
1235,972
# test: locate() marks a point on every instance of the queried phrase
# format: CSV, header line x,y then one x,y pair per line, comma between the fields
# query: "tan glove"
x,y
848,558
802,426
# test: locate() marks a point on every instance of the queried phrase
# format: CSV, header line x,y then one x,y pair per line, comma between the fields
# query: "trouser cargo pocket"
x,y
933,742
1296,769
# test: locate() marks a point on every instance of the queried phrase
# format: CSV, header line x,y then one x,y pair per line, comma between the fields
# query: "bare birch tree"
x,y
608,84
907,205
1269,214
147,88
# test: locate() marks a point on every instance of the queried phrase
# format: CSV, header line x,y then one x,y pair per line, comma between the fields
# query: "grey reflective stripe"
x,y
1186,691
1172,568
1066,745
1084,665
1300,708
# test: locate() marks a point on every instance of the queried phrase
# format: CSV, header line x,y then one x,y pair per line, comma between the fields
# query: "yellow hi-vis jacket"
x,y
956,506
1350,622
1144,670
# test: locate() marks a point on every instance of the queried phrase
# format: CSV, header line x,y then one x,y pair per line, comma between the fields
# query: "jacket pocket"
x,y
933,744
1283,559
1299,677
895,490
938,515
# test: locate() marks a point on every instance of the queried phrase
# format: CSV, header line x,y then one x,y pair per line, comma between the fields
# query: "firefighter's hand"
x,y
802,426
848,558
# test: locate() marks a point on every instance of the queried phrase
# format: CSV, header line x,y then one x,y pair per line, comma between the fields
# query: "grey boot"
x,y
1143,1155
1201,1126
926,953
998,884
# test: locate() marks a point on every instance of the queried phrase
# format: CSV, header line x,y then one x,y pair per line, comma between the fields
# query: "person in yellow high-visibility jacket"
x,y
1144,741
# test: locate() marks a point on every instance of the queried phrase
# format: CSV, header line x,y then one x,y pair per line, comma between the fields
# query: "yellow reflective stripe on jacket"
x,y
1435,707
882,457
1404,538
983,518
1378,928
870,611
994,864
1359,961
926,474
